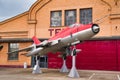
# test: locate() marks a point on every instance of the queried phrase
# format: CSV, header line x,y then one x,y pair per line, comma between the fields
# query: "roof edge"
x,y
14,17
7,40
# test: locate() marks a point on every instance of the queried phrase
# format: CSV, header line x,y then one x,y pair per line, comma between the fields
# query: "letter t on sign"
x,y
51,31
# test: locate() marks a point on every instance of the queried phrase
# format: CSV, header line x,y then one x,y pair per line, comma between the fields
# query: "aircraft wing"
x,y
43,44
24,49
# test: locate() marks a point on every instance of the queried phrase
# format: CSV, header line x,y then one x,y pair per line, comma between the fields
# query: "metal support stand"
x,y
73,72
118,77
36,68
64,67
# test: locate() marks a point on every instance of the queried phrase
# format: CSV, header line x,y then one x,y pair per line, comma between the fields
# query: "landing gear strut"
x,y
73,72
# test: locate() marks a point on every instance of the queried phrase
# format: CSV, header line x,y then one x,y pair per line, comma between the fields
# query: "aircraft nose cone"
x,y
95,28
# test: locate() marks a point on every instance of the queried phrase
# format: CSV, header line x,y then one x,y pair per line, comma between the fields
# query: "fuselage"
x,y
60,42
70,30
70,36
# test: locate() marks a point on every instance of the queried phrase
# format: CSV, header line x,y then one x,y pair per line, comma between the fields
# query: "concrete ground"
x,y
54,74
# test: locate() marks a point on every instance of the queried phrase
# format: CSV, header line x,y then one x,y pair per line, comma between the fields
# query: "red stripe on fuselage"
x,y
68,31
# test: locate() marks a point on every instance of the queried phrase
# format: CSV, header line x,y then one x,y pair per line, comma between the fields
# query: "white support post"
x,y
64,67
73,72
36,68
118,77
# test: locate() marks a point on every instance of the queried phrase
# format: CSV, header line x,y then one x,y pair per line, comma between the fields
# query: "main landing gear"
x,y
73,72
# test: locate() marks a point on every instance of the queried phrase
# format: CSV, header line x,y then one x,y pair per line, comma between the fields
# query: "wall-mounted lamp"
x,y
116,27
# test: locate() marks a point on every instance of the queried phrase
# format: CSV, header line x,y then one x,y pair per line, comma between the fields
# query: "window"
x,y
86,16
56,18
13,47
70,17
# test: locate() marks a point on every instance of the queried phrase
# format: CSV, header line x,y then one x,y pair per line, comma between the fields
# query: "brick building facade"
x,y
45,18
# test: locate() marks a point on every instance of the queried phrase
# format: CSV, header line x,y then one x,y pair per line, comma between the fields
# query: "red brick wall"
x,y
4,62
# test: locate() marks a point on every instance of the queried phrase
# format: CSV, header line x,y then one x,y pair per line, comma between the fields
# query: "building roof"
x,y
12,40
13,18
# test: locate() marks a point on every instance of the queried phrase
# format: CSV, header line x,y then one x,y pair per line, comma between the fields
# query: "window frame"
x,y
80,15
60,18
11,54
66,13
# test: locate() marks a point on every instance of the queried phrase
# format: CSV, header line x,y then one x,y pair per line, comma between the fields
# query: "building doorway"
x,y
43,61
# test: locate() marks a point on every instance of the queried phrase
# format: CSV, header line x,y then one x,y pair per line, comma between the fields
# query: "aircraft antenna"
x,y
98,20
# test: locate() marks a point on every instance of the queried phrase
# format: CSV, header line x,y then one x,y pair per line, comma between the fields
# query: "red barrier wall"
x,y
95,55
118,54
100,55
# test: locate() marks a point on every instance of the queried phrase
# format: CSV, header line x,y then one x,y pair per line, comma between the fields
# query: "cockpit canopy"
x,y
75,25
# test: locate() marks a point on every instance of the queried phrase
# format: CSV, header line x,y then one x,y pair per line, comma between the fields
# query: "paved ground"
x,y
54,74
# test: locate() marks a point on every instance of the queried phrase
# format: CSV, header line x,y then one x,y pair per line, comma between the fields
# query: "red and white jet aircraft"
x,y
61,42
